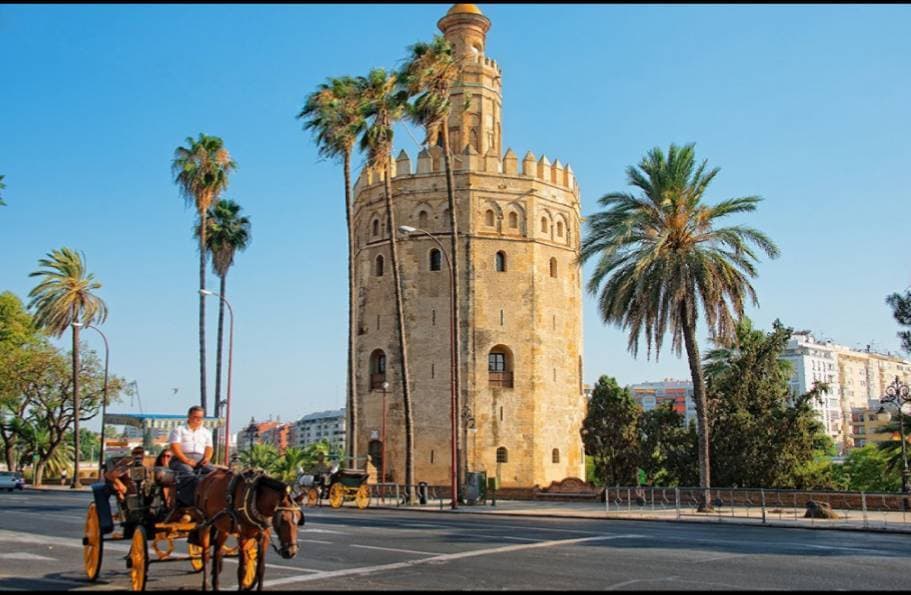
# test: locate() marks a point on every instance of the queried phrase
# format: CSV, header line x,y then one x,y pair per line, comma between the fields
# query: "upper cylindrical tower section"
x,y
476,97
466,29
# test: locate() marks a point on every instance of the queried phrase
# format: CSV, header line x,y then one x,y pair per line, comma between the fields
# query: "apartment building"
x,y
323,425
679,393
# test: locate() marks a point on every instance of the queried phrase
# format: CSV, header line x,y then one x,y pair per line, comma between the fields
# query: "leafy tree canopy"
x,y
610,432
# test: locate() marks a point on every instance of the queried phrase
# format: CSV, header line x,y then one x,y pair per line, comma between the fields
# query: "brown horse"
x,y
249,505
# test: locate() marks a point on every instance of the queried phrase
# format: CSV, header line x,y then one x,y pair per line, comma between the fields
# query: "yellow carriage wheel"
x,y
92,544
313,497
336,495
246,570
362,497
138,560
161,536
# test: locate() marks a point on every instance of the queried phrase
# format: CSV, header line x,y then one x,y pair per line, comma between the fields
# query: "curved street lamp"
x,y
898,393
453,397
230,359
104,401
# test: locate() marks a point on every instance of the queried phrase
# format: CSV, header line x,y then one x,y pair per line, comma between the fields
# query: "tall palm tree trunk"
x,y
202,311
461,460
403,345
75,482
351,430
702,427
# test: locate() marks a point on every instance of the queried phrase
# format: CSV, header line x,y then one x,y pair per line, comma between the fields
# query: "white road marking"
x,y
311,530
638,580
441,558
315,541
518,538
24,556
392,549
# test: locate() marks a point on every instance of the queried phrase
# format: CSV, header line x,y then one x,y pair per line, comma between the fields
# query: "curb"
x,y
653,520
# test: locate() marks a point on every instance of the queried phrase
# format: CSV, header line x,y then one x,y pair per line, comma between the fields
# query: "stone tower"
x,y
521,308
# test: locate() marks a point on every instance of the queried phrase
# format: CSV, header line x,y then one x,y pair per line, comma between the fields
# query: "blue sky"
x,y
806,106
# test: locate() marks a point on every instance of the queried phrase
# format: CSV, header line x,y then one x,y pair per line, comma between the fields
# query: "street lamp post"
x,y
898,393
104,398
453,397
230,360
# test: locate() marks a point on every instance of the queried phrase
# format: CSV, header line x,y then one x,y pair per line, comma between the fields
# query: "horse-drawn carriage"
x,y
147,513
336,485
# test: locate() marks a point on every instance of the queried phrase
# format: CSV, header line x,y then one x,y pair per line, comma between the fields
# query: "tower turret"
x,y
477,97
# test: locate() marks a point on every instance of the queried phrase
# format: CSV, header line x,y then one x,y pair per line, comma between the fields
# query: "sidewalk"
x,y
891,522
55,488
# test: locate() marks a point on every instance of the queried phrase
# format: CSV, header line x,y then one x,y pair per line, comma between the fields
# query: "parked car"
x,y
10,480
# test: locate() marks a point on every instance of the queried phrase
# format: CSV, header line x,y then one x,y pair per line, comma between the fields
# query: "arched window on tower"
x,y
377,369
436,258
553,267
559,229
499,367
376,227
501,262
488,218
422,219
555,455
513,220
378,269
543,224
502,455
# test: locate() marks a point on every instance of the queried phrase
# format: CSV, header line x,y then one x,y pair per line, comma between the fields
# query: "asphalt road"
x,y
348,549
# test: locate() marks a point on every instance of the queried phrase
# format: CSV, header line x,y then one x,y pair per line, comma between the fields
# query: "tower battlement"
x,y
430,162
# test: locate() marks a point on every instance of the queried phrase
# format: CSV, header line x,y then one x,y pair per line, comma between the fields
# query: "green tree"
x,y
228,233
201,171
64,296
335,113
761,432
385,106
866,469
901,309
290,463
429,73
661,256
261,456
2,186
667,448
892,449
610,433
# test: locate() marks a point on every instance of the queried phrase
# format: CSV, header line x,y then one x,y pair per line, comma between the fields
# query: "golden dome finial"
x,y
464,9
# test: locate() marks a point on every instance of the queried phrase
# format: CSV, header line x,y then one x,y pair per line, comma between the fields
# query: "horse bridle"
x,y
248,509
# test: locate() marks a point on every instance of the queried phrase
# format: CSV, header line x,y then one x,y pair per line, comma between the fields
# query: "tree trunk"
x,y
9,452
202,311
702,426
351,401
461,462
75,403
403,344
38,476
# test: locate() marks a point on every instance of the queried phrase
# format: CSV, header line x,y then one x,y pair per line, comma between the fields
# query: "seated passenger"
x,y
118,476
191,447
167,490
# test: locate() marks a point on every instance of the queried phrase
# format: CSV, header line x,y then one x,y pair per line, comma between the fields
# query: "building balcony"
x,y
500,379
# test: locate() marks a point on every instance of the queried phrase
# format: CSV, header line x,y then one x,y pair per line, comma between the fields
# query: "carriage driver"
x,y
191,445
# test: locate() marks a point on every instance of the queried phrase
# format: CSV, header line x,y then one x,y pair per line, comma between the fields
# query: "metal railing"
x,y
859,510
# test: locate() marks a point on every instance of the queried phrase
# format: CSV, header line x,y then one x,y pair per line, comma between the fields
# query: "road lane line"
x,y
441,558
392,549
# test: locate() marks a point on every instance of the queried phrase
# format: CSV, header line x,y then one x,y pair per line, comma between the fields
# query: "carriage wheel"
x,y
336,495
195,553
92,544
249,563
313,497
162,554
362,497
138,560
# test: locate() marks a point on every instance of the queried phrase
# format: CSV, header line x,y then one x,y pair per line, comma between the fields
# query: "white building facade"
x,y
323,425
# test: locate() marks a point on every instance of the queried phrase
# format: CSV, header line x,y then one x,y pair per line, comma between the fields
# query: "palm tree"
x,y
335,115
660,257
201,171
62,297
2,186
385,105
429,74
227,234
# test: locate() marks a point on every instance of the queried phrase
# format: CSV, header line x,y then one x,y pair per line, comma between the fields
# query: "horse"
x,y
249,504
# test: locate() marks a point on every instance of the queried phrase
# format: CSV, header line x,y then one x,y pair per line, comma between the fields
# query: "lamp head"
x,y
77,324
205,292
385,386
407,229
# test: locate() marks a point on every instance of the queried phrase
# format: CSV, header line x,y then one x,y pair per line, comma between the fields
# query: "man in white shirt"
x,y
191,445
